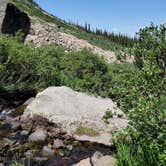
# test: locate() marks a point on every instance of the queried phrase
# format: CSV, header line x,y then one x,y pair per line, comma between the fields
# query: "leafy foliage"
x,y
150,51
148,118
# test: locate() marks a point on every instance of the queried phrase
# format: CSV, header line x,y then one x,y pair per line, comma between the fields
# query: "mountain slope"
x,y
45,28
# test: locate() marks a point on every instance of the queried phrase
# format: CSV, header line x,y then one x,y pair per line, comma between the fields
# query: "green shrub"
x,y
125,156
148,139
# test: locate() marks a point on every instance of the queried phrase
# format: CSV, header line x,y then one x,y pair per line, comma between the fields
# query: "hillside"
x,y
42,28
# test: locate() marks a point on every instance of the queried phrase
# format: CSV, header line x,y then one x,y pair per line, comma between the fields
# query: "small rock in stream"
x,y
69,147
16,126
24,133
58,144
47,151
96,156
38,135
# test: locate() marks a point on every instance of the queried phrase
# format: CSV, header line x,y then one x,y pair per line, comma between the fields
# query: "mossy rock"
x,y
82,130
18,111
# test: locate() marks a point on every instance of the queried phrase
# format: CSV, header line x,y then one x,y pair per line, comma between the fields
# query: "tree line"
x,y
119,38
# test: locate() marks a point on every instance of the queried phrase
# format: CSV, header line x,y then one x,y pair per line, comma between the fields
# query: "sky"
x,y
125,16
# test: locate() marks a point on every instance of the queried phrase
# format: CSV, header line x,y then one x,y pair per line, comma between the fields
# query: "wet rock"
x,y
96,156
38,135
5,113
105,161
85,162
58,144
47,151
69,147
24,133
16,126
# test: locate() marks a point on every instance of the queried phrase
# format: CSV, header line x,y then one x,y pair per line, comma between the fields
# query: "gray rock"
x,y
16,126
69,147
29,101
1,164
47,151
85,162
96,156
71,109
5,113
58,144
24,133
106,161
38,135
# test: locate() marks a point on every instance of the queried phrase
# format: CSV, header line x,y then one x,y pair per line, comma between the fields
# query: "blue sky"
x,y
125,16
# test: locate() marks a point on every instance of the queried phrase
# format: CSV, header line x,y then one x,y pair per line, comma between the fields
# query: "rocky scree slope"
x,y
40,28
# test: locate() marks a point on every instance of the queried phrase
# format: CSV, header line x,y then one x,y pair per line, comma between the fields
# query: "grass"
x,y
82,130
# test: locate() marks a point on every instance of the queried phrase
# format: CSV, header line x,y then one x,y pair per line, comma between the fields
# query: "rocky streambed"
x,y
39,142
36,140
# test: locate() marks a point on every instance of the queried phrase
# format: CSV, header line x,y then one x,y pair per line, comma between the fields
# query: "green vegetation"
x,y
81,130
139,89
120,39
146,146
107,116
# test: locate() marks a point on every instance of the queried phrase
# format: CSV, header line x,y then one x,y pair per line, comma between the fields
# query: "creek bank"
x,y
57,149
39,141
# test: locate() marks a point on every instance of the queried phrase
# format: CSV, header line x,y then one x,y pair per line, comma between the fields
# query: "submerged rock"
x,y
79,114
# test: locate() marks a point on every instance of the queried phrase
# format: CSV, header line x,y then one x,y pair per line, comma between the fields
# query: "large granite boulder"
x,y
79,114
